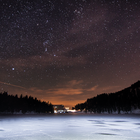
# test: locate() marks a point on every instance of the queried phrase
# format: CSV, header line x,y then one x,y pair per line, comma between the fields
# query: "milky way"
x,y
66,51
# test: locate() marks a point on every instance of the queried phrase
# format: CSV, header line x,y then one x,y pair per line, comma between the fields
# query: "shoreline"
x,y
71,114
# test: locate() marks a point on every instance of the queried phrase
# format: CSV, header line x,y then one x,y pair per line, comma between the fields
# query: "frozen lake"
x,y
70,127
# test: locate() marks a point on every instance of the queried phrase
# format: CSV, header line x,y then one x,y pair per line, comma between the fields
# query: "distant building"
x,y
59,109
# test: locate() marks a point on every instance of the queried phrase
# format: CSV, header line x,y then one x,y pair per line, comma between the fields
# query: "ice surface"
x,y
70,127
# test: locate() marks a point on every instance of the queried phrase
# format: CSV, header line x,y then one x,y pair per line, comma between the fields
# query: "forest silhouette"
x,y
125,100
12,104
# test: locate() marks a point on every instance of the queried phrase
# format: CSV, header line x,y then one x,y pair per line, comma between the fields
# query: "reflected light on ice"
x,y
70,127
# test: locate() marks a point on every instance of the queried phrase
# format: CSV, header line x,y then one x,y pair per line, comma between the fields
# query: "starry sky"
x,y
65,51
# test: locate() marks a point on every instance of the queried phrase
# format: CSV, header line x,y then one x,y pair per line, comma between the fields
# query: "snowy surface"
x,y
70,127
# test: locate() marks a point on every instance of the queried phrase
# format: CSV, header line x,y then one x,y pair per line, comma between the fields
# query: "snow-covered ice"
x,y
70,127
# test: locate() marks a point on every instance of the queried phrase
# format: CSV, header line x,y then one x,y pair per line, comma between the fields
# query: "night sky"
x,y
65,51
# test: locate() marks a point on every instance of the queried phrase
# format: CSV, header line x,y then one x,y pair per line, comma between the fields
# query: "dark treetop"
x,y
124,100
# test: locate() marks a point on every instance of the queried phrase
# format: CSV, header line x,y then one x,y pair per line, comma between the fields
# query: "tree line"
x,y
125,100
11,104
